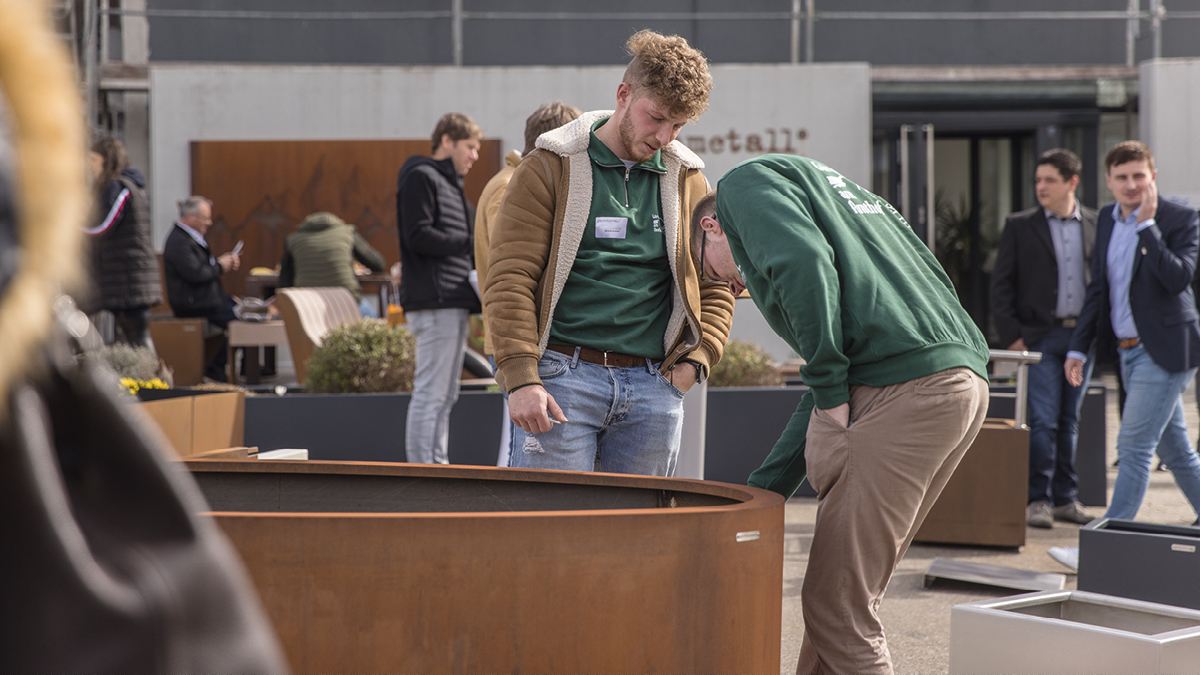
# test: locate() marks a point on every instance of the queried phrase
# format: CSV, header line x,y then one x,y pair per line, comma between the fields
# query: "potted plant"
x,y
138,368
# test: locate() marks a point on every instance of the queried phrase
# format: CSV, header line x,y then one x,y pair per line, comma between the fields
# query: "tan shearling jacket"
x,y
536,237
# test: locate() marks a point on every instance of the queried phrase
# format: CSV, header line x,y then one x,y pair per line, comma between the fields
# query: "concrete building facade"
x,y
953,100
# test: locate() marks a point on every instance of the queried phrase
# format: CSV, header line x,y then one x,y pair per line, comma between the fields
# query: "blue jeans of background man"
x,y
366,310
1053,421
620,420
441,338
1152,421
507,425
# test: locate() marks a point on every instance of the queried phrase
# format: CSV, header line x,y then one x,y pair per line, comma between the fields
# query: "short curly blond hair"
x,y
671,70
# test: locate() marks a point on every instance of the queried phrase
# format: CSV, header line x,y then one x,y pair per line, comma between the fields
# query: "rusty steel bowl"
x,y
370,567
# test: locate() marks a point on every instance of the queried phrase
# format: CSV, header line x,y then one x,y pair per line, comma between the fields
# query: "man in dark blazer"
x,y
1140,301
193,274
1038,288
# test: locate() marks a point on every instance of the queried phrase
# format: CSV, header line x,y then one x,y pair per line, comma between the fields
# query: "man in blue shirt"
x,y
1140,298
1038,287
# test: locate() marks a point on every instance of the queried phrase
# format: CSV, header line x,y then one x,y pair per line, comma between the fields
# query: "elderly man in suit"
x,y
1038,287
193,274
1140,298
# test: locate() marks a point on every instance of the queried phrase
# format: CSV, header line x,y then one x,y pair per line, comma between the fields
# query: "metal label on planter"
x,y
1183,548
748,536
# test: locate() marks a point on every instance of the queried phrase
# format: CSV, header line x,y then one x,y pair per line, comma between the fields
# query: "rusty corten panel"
x,y
628,590
261,190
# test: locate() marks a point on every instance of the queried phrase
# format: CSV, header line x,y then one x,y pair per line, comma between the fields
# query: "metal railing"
x,y
1022,359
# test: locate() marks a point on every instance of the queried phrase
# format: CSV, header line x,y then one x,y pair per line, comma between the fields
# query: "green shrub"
x,y
745,364
365,357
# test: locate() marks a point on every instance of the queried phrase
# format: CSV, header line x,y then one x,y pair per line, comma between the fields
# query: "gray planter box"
x,y
743,425
1090,462
1072,632
369,427
1143,561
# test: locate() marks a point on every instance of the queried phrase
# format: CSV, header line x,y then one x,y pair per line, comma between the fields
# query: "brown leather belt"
x,y
1128,343
601,358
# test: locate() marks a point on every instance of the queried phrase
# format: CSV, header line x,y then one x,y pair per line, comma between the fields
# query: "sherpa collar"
x,y
573,138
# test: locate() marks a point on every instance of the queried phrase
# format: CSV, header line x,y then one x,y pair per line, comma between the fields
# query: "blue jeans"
x,y
441,338
1053,421
366,310
620,420
1152,420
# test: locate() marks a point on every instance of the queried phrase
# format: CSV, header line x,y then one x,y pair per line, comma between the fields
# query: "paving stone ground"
x,y
917,620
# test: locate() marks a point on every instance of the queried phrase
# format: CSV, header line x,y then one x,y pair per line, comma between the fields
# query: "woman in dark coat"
x,y
124,268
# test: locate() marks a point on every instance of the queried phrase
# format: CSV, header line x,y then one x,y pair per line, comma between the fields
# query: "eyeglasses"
x,y
704,273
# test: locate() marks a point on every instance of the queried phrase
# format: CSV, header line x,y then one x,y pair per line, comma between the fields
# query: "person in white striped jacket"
x,y
123,267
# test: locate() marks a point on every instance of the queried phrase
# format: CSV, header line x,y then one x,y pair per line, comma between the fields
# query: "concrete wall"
x,y
1170,124
823,111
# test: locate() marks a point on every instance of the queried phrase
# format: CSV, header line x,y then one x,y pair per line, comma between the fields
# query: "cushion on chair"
x,y
308,315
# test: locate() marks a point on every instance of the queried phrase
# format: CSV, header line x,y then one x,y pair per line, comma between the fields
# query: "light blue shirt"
x,y
1121,250
1067,236
1122,247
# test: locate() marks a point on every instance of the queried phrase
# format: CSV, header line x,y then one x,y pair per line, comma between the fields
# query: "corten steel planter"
x,y
1143,561
1071,632
369,567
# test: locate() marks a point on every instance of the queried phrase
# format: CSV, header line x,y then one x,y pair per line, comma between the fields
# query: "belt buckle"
x,y
604,355
1069,322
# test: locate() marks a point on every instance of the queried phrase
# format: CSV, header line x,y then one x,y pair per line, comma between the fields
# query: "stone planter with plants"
x,y
359,384
137,368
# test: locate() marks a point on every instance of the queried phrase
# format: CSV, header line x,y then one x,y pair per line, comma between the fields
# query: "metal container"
x,y
1143,561
1072,632
367,567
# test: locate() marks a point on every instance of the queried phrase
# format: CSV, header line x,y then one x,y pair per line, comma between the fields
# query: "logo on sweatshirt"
x,y
658,226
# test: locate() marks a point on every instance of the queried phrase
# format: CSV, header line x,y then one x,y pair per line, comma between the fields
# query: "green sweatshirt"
x,y
840,276
618,295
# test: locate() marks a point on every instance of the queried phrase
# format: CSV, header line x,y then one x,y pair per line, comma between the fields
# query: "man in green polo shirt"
x,y
896,372
598,317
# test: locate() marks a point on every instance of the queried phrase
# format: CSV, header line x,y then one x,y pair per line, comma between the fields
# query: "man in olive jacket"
x,y
597,315
896,372
322,252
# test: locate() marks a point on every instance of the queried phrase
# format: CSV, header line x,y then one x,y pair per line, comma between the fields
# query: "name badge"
x,y
611,228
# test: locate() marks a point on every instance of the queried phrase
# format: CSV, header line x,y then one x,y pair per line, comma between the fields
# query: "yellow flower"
x,y
133,386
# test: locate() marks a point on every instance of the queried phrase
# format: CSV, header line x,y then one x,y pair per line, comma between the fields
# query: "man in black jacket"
x,y
193,274
1038,289
436,254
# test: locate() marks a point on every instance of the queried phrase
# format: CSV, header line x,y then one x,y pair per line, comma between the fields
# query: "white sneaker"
x,y
1067,555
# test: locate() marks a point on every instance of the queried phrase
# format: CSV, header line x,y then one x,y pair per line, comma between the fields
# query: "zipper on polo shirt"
x,y
627,169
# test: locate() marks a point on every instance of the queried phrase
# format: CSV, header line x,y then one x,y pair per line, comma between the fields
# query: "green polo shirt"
x,y
618,295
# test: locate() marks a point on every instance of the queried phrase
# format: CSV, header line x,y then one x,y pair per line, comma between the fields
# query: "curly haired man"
x,y
599,319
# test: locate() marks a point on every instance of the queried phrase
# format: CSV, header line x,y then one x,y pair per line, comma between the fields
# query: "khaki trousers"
x,y
876,481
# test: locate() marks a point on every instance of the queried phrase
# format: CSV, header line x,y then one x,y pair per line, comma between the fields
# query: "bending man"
x,y
896,373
